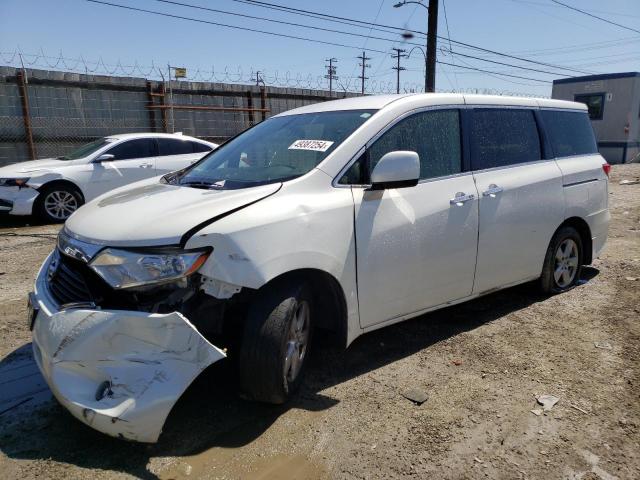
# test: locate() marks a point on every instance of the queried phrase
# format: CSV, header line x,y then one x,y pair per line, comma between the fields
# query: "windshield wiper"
x,y
215,185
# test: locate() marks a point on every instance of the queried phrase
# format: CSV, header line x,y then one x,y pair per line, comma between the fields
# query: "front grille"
x,y
68,283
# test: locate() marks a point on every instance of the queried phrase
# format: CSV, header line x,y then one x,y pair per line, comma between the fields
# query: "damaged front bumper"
x,y
118,371
17,200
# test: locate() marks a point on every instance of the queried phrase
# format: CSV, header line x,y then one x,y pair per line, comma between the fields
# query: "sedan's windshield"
x,y
277,149
86,149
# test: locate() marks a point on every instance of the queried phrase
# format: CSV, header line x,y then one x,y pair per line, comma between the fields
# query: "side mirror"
x,y
105,157
396,170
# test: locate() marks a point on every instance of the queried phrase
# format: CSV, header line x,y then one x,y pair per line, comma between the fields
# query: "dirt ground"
x,y
481,365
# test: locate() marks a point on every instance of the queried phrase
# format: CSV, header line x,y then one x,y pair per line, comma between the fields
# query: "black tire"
x,y
262,360
68,195
554,279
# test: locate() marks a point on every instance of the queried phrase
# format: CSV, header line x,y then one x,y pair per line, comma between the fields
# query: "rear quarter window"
x,y
200,147
503,137
170,146
570,133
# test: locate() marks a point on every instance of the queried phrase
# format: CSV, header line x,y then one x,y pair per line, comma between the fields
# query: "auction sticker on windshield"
x,y
315,145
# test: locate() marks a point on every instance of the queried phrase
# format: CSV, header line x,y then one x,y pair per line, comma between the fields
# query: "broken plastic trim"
x,y
120,372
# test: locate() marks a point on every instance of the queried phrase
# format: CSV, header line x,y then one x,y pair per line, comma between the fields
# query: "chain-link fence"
x,y
46,114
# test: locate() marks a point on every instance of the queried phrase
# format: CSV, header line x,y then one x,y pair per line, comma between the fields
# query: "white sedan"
x,y
54,188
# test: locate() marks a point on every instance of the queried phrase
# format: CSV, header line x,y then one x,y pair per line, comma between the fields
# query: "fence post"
x,y
165,122
152,113
26,117
249,107
263,102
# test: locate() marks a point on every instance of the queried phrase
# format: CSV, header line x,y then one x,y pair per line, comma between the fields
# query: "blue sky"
x,y
536,29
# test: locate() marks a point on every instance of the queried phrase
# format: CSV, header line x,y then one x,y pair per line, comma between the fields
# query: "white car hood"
x,y
152,214
24,169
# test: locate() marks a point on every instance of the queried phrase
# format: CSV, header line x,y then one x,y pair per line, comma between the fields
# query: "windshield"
x,y
86,149
278,149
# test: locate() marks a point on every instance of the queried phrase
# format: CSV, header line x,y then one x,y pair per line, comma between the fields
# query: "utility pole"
x,y
432,35
399,54
364,65
331,73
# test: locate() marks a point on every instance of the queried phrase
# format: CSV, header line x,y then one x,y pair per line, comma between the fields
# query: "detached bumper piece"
x,y
120,372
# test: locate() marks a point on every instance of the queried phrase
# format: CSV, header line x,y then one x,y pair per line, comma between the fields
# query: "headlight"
x,y
13,182
125,269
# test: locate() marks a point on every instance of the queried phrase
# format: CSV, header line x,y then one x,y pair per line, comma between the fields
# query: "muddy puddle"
x,y
223,462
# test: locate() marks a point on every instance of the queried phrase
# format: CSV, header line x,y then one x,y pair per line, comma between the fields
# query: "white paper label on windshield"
x,y
314,145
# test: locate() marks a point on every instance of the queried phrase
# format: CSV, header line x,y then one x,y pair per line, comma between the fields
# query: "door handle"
x,y
492,191
145,165
461,198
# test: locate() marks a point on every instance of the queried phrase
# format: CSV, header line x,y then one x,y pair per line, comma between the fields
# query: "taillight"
x,y
607,168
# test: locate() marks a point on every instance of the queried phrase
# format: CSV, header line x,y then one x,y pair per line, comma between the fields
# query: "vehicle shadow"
x,y
16,221
210,414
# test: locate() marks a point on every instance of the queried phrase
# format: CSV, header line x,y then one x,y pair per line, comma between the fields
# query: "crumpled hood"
x,y
151,213
25,169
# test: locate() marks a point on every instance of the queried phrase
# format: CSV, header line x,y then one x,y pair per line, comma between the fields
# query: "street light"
x,y
430,56
405,2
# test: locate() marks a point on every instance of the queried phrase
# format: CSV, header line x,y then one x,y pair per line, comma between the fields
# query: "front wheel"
x,y
56,203
275,344
563,261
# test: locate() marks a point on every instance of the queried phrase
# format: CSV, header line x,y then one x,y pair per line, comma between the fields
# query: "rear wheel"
x,y
563,261
56,203
276,341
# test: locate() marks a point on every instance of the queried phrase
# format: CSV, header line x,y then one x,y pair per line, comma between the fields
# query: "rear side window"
x,y
140,148
570,133
503,137
200,147
169,146
434,136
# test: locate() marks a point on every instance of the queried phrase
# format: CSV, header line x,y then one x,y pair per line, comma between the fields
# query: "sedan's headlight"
x,y
13,182
125,268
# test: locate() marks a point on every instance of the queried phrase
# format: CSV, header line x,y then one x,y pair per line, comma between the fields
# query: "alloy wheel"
x,y
566,263
297,341
60,204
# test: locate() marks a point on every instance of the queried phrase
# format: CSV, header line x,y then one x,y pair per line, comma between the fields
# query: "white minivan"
x,y
335,218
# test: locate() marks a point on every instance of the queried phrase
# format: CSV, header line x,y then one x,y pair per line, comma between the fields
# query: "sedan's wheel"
x,y
56,203
276,340
563,261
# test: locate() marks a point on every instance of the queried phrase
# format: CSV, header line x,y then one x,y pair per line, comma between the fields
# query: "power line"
x,y
329,17
615,14
595,16
366,40
294,37
506,64
271,20
493,73
446,21
198,7
580,47
199,20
